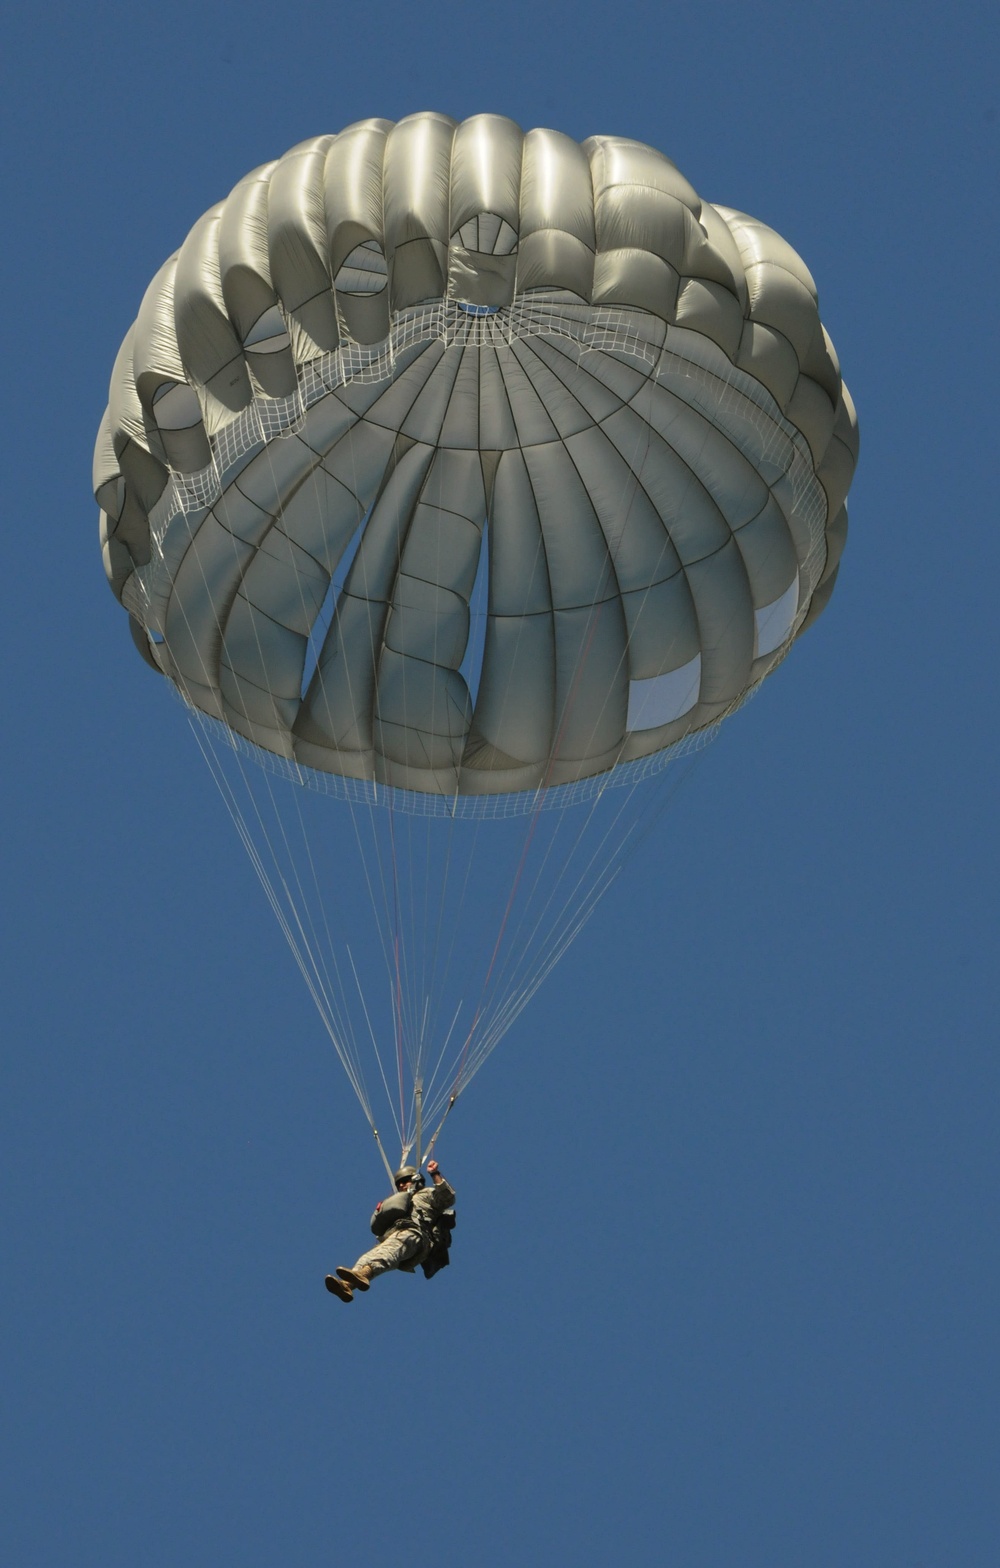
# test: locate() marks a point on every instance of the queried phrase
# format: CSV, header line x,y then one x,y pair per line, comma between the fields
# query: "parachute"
x,y
459,479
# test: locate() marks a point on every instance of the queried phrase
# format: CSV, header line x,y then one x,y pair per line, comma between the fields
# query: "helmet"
x,y
410,1175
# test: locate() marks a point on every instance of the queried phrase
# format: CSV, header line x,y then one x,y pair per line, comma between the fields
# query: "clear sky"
x,y
724,1288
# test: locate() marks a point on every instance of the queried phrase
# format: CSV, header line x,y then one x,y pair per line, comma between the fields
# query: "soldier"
x,y
412,1228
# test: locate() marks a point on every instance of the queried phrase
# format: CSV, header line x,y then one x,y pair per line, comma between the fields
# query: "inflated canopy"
x,y
469,461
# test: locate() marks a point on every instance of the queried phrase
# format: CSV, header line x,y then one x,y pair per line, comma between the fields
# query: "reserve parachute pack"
x,y
391,1211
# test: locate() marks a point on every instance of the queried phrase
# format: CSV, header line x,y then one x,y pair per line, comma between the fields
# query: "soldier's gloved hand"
x,y
432,1167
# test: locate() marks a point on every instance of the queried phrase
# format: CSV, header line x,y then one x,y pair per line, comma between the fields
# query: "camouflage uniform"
x,y
408,1242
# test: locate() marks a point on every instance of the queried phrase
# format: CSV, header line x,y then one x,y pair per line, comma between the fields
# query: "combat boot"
x,y
337,1287
358,1278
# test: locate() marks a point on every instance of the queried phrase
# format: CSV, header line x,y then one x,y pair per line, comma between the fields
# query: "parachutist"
x,y
414,1228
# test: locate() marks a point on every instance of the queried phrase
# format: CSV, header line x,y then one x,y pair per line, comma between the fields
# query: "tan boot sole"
x,y
337,1287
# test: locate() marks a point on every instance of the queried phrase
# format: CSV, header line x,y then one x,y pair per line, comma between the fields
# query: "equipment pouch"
x,y
437,1256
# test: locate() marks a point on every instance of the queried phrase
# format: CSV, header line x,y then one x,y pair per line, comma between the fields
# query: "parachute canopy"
x,y
464,473
473,462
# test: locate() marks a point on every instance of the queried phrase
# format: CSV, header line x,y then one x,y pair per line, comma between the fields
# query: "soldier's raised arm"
x,y
443,1192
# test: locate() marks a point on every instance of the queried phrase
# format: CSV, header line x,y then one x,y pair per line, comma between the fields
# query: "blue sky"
x,y
725,1280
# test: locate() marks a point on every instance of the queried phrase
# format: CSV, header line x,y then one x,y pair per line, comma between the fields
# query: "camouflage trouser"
x,y
399,1246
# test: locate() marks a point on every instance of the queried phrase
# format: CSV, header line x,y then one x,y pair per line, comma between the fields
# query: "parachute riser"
x,y
385,1158
419,1097
437,1133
